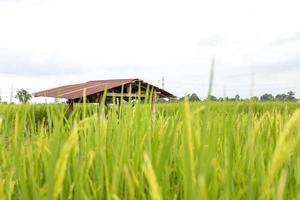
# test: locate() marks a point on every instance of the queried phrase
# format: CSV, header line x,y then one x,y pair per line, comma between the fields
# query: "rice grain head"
x,y
61,164
281,185
155,191
1,120
284,148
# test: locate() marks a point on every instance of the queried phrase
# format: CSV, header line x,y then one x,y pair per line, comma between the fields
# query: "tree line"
x,y
24,97
289,96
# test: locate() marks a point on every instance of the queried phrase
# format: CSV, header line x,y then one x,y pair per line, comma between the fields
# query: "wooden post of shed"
x,y
100,98
101,108
70,106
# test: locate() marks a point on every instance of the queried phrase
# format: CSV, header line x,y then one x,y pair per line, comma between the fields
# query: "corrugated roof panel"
x,y
75,91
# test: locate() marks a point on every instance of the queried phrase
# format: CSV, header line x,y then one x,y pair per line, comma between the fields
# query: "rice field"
x,y
207,150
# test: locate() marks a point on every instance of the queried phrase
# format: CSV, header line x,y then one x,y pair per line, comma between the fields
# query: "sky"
x,y
48,43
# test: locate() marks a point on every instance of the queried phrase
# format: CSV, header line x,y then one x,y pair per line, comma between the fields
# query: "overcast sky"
x,y
256,44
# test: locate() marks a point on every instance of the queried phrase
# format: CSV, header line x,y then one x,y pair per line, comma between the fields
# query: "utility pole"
x,y
211,78
252,82
11,93
163,83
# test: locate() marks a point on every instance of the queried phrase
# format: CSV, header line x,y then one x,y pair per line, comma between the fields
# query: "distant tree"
x,y
182,98
254,98
291,96
267,97
281,97
194,97
190,97
212,98
23,96
237,97
0,99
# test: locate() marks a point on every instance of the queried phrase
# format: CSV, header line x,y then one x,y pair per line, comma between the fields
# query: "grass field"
x,y
211,150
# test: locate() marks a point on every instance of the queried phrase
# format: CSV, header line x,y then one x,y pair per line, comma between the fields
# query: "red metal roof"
x,y
75,91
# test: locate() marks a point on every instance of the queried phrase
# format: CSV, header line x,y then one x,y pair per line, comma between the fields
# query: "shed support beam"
x,y
114,94
70,106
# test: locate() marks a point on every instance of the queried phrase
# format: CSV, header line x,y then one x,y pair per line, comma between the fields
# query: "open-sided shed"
x,y
94,91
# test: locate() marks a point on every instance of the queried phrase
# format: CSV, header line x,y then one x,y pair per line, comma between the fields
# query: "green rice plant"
x,y
199,150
